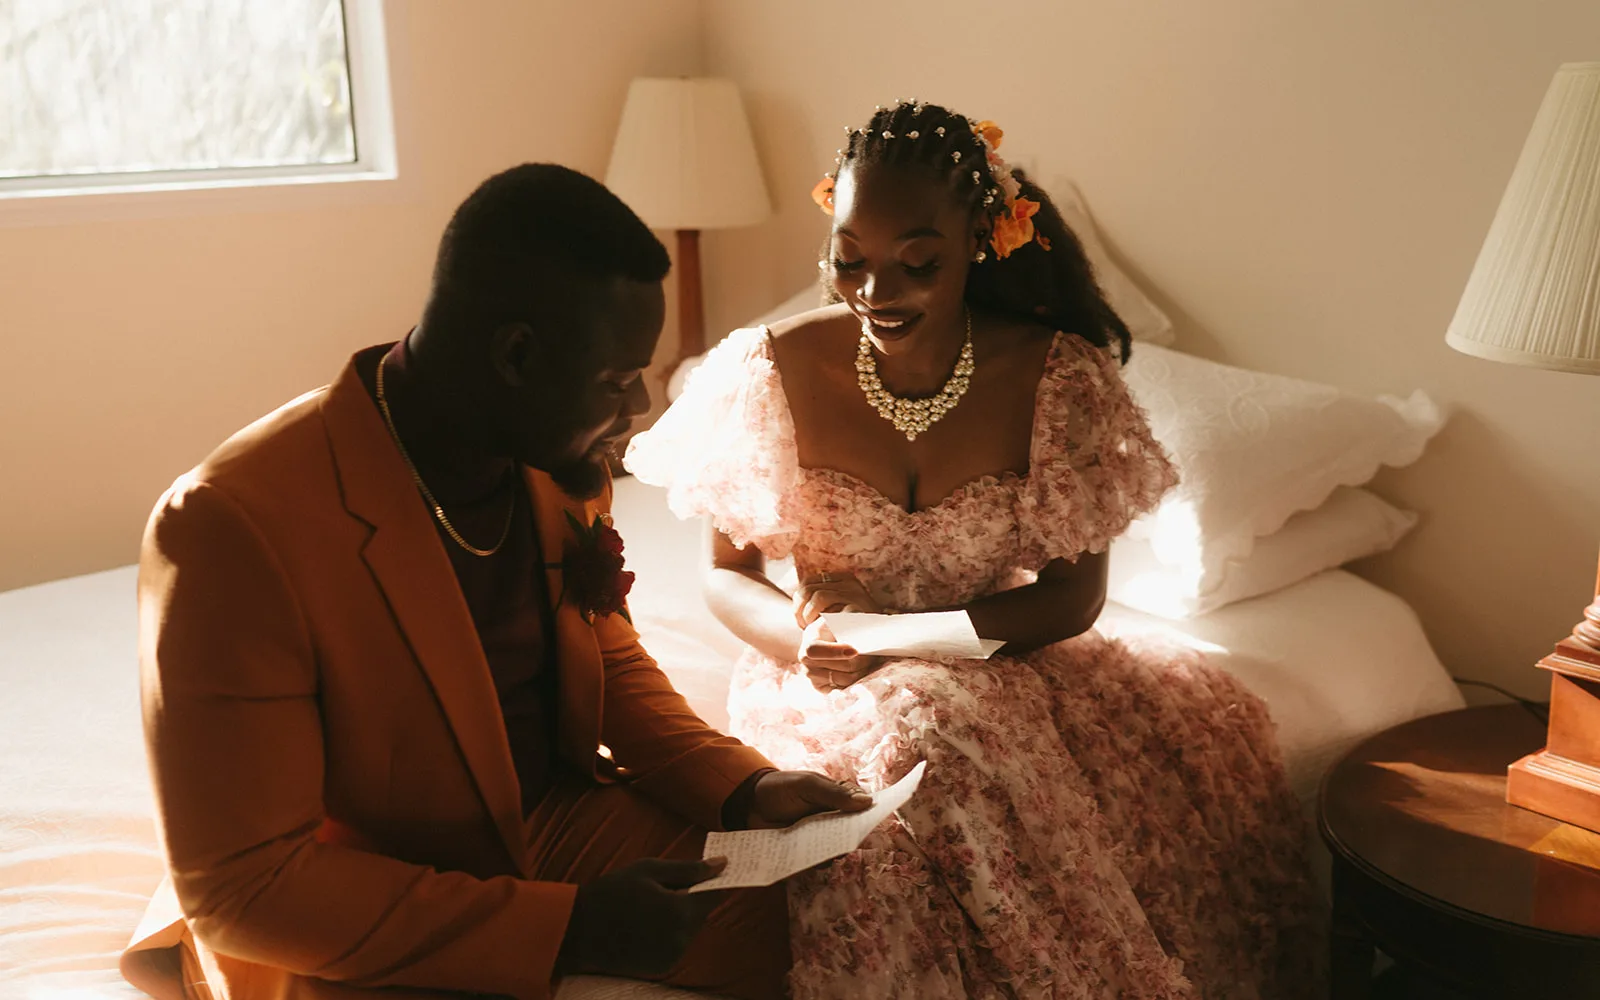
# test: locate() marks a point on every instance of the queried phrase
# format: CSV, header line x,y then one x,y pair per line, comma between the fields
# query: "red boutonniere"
x,y
592,569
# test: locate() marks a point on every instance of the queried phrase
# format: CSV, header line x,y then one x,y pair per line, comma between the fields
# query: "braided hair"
x,y
1054,286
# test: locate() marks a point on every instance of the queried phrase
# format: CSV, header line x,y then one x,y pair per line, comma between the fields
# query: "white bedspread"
x,y
1335,657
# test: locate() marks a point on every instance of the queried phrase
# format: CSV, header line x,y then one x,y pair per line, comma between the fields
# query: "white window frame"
x,y
33,199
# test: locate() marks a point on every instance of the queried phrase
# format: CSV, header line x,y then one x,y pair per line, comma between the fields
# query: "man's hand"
x,y
781,797
638,920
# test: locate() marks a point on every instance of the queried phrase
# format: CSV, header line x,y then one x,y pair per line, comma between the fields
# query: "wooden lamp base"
x,y
691,302
1563,780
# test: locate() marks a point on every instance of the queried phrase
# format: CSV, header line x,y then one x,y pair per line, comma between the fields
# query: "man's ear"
x,y
515,352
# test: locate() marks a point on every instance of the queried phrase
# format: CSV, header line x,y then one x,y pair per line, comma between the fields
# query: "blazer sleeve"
x,y
670,753
234,734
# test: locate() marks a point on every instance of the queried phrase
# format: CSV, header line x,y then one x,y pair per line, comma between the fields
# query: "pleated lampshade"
x,y
684,157
1534,294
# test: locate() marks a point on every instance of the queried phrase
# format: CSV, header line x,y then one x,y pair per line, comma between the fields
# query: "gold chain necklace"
x,y
913,416
427,494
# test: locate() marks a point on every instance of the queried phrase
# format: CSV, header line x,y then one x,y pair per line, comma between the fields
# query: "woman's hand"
x,y
827,594
830,664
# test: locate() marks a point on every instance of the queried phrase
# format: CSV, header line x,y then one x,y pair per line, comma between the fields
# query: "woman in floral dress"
x,y
1097,819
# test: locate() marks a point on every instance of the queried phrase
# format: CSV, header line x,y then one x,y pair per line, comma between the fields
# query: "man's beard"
x,y
583,478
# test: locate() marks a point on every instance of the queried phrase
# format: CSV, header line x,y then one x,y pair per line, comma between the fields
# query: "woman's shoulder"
x,y
1070,357
1012,350
799,341
804,330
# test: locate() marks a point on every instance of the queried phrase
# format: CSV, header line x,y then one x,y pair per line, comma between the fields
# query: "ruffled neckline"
x,y
972,489
853,485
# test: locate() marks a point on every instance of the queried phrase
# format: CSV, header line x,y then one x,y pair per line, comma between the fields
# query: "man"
x,y
401,730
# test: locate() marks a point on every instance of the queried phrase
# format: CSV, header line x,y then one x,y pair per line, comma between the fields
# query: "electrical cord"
x,y
1538,709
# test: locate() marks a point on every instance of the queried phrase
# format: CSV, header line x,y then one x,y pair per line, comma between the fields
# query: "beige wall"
x,y
1304,184
136,339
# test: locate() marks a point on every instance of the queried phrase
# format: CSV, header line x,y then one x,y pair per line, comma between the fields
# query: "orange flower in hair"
x,y
822,194
990,132
1014,229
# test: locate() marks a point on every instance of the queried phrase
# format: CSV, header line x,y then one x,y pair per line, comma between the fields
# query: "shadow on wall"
x,y
1464,589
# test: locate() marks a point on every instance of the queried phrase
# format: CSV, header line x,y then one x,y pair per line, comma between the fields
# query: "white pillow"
x,y
1253,449
1146,322
1352,525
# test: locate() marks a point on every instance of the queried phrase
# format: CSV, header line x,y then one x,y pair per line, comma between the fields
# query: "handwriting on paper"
x,y
762,857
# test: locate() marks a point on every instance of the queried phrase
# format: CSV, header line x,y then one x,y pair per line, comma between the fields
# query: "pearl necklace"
x,y
913,416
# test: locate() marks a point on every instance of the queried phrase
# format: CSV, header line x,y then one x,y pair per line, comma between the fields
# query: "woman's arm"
x,y
1064,602
756,610
742,597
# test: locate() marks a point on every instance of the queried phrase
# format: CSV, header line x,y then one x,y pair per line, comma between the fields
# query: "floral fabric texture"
x,y
1098,819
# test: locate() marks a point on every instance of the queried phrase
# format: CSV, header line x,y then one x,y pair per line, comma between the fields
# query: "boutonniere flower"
x,y
592,569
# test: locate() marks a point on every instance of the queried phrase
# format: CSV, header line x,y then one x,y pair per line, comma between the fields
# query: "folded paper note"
x,y
762,857
927,635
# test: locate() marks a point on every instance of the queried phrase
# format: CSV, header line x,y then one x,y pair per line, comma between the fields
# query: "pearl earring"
x,y
979,257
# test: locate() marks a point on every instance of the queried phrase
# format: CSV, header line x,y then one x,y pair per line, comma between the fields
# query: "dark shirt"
x,y
506,593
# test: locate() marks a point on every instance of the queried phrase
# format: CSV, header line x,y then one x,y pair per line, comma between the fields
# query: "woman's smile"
x,y
885,327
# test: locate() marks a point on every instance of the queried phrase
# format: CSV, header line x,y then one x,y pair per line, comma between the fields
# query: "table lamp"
x,y
684,160
1534,299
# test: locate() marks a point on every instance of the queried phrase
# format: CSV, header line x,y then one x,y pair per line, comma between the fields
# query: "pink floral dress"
x,y
1097,819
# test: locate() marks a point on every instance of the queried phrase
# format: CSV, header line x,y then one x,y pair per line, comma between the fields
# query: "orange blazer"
x,y
334,789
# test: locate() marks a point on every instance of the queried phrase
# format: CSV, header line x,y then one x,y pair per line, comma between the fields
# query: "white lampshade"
x,y
1534,295
684,158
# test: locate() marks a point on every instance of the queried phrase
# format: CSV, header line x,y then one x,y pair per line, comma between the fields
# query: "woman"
x,y
1096,820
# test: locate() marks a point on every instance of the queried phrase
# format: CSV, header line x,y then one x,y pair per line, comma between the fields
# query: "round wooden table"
x,y
1463,891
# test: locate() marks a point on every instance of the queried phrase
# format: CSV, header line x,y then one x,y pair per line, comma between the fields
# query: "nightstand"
x,y
1468,895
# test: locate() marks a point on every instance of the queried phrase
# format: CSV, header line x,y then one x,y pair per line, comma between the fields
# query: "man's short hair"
x,y
525,230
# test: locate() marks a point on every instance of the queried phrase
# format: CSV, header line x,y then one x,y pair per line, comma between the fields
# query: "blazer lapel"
x,y
577,653
414,573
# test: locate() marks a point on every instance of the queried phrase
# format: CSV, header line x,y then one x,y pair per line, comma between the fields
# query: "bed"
x,y
1335,657
1238,563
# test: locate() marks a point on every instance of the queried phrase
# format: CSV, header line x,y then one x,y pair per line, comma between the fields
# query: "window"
x,y
98,97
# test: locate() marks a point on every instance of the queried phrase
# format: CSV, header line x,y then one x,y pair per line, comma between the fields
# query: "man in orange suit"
x,y
402,731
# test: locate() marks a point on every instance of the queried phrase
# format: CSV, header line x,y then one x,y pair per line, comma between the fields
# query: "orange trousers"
x,y
583,830
580,831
